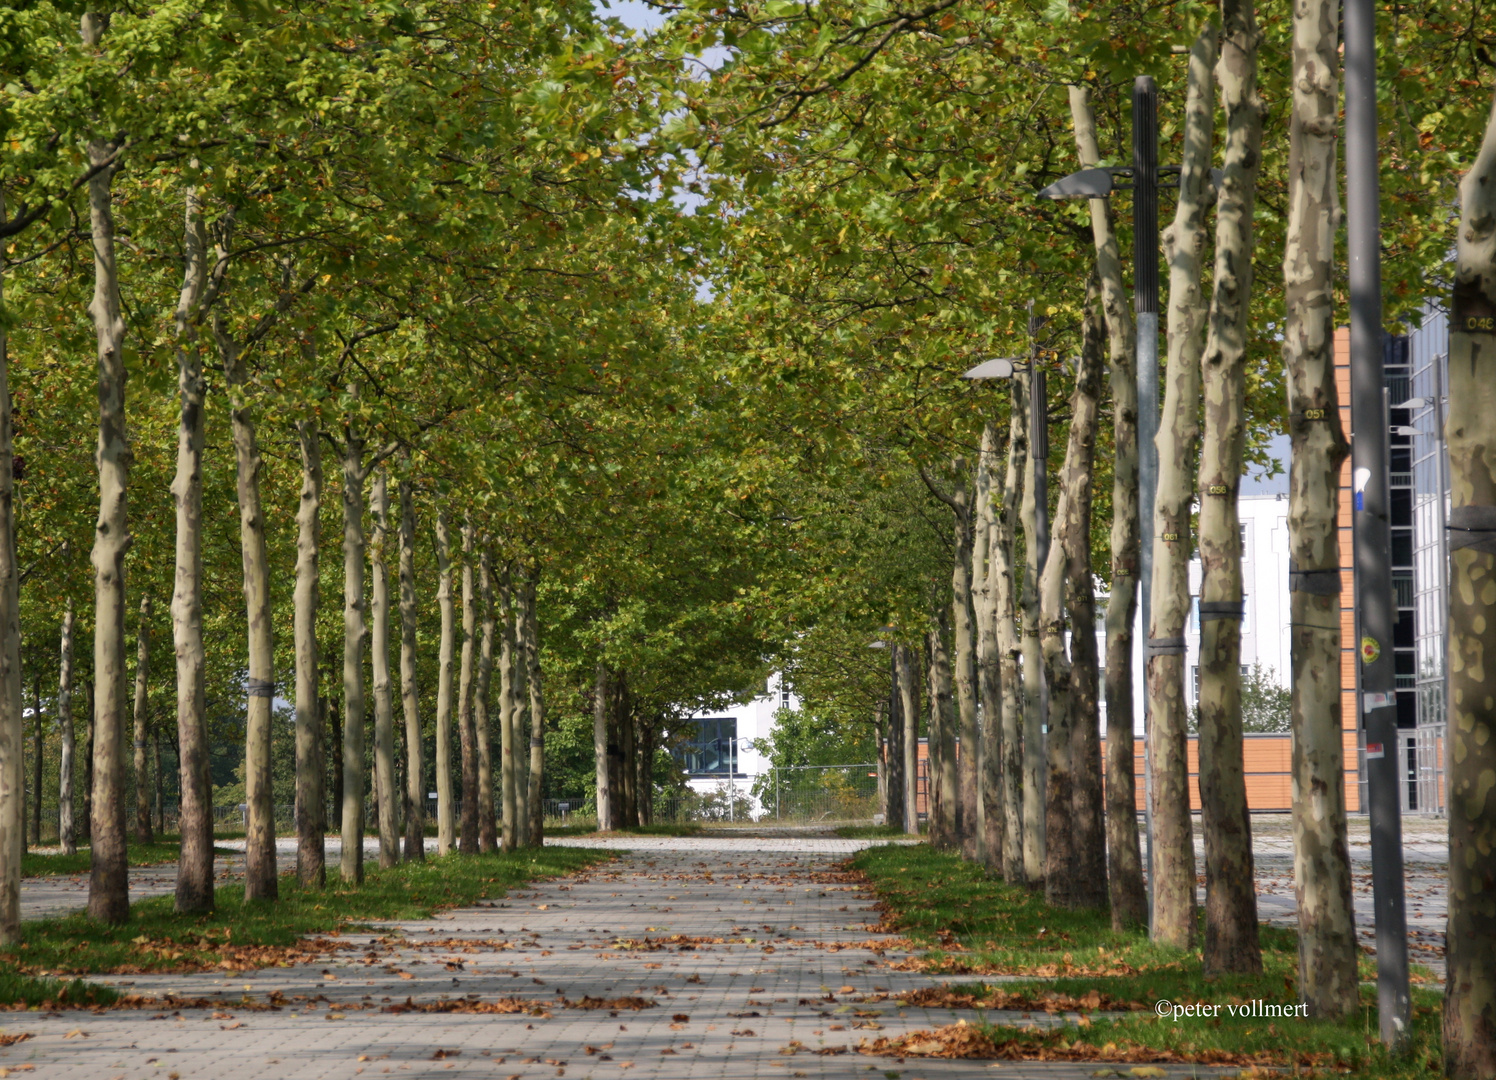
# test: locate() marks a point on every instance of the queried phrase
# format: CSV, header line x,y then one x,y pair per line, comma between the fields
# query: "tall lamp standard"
x,y
1098,184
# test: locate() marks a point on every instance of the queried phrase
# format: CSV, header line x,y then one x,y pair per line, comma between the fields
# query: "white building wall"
x,y
755,720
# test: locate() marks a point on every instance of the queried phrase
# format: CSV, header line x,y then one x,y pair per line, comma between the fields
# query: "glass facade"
x,y
713,750
1428,362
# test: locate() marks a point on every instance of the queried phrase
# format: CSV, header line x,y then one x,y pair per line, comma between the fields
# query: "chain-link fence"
x,y
808,794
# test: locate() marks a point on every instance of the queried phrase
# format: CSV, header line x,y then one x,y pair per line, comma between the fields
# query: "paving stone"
x,y
784,937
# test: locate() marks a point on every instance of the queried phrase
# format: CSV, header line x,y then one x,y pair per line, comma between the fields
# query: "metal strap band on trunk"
x,y
537,742
1473,528
1322,582
1222,609
1166,646
261,688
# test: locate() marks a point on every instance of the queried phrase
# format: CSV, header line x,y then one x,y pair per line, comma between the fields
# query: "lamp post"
x,y
1099,183
1375,615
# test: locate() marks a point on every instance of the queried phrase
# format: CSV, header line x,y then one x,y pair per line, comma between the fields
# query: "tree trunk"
x,y
415,766
1230,896
160,779
311,843
943,734
1009,644
88,759
466,730
67,833
37,723
384,704
1125,864
1034,766
194,891
968,827
985,569
934,790
12,781
507,749
1322,873
1178,440
646,772
521,719
629,749
487,824
1470,989
142,833
600,748
260,879
446,815
537,710
1080,762
909,714
108,890
355,630
334,730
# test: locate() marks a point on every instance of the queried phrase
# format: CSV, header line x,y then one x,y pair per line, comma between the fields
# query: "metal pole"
x,y
1145,300
1375,614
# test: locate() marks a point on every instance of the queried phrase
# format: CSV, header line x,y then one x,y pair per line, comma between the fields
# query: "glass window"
x,y
712,751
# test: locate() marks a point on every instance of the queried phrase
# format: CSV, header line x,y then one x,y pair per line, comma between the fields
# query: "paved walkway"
x,y
754,951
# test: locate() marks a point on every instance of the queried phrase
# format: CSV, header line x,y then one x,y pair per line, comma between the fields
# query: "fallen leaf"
x,y
1146,1070
76,1033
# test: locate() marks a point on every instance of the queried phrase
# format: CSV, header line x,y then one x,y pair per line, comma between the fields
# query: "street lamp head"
x,y
1414,403
1086,184
999,368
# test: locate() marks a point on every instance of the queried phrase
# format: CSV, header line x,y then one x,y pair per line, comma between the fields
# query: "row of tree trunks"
x,y
1125,864
12,779
311,853
67,832
488,840
1009,645
1065,586
1230,899
1321,870
908,691
1089,886
1178,441
385,798
1033,765
446,819
143,833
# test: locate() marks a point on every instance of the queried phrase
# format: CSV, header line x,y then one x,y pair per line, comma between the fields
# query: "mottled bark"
x,y
1089,887
1178,444
1470,940
108,888
384,704
1068,560
143,833
311,844
446,811
466,730
1033,680
194,890
12,782
942,738
1230,898
38,727
260,879
909,710
410,698
1321,866
488,837
600,748
355,633
968,762
989,676
1009,644
67,831
507,726
534,803
1122,605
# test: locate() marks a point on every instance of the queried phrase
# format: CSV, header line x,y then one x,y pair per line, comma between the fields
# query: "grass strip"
x,y
973,924
239,936
160,852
